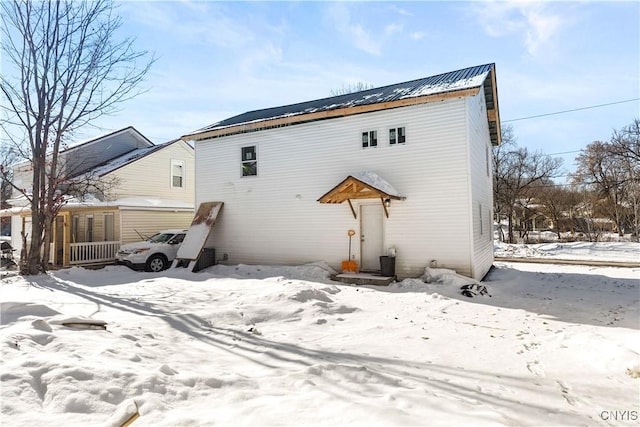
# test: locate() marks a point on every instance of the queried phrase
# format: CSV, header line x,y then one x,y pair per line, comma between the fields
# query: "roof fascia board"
x,y
320,115
494,114
158,149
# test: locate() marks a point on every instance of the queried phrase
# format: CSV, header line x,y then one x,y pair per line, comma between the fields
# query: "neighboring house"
x,y
148,188
410,161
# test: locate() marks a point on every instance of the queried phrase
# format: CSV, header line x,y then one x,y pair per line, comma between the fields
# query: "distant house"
x,y
147,188
406,166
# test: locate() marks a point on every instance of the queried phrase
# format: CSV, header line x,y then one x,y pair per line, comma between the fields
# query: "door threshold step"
x,y
364,279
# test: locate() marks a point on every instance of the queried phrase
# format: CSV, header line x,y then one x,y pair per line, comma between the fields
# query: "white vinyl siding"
x,y
278,220
148,222
481,186
152,175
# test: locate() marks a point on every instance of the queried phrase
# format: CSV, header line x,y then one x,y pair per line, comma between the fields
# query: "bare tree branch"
x,y
64,69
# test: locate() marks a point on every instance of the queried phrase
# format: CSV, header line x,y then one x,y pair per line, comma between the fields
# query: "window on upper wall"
x,y
397,136
249,161
488,160
177,173
370,139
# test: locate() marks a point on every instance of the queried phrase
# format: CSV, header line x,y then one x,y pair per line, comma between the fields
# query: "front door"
x,y
371,240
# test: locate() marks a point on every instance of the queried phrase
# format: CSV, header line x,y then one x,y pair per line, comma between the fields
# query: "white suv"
x,y
153,254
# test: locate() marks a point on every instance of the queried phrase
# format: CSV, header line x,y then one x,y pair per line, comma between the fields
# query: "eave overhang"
x,y
322,115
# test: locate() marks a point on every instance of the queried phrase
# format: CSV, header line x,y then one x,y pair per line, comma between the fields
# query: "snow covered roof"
x,y
129,132
142,203
130,157
400,94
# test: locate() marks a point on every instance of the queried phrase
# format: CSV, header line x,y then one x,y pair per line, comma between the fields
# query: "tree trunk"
x,y
46,244
510,227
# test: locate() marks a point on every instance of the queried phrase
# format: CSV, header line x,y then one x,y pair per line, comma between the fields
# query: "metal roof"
x,y
467,78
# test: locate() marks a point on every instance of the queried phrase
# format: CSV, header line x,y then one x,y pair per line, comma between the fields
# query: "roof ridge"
x,y
345,97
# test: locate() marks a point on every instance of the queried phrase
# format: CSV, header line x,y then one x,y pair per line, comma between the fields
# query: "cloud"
x,y
400,10
191,22
340,17
392,28
535,21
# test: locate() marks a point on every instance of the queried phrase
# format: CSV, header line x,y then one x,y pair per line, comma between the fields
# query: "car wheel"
x,y
156,263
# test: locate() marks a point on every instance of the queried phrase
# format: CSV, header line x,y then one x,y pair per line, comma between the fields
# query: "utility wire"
x,y
570,111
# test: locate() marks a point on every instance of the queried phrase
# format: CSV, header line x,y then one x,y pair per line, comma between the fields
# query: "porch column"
x,y
66,248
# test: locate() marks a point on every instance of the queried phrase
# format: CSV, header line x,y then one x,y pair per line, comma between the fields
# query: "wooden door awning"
x,y
363,185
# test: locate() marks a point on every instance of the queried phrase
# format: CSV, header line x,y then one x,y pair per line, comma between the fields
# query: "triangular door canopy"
x,y
363,185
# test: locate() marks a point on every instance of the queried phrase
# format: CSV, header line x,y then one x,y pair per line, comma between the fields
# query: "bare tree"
x,y
351,88
516,172
558,204
611,170
63,69
625,143
600,171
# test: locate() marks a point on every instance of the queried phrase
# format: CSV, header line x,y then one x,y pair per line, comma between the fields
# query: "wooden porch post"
x,y
66,251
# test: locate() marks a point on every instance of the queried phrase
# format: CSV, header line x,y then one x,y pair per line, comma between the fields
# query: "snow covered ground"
x,y
256,345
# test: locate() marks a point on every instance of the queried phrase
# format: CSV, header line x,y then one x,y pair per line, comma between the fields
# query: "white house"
x,y
146,188
406,166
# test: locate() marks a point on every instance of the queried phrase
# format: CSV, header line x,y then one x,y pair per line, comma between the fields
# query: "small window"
x,y
397,136
487,161
370,139
249,161
177,173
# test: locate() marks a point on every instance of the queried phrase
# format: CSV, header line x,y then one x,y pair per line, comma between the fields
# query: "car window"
x,y
178,238
160,238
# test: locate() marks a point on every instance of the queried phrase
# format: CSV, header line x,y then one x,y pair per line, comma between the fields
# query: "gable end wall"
x,y
275,218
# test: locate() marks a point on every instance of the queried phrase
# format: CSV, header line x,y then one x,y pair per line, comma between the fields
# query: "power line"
x,y
564,152
571,111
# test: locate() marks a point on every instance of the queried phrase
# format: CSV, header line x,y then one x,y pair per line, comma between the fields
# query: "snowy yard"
x,y
256,345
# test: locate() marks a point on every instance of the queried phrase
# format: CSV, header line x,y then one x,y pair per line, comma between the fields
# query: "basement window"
x,y
249,161
397,136
370,139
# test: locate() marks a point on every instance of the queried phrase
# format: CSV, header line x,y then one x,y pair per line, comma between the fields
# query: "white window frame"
x,y
181,164
396,140
368,137
248,161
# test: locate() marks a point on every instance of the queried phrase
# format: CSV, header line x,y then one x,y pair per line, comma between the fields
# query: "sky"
x,y
219,59
240,345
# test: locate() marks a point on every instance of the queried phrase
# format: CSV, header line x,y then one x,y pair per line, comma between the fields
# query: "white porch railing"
x,y
92,252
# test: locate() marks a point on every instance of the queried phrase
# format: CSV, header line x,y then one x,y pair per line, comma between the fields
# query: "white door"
x,y
370,236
